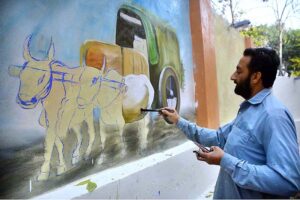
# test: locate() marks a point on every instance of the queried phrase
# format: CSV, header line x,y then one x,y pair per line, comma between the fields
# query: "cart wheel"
x,y
168,89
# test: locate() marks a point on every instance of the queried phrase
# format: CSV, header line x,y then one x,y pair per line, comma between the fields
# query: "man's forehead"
x,y
244,61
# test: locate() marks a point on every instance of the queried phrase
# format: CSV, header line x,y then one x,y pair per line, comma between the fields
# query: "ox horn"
x,y
51,51
26,53
14,70
103,68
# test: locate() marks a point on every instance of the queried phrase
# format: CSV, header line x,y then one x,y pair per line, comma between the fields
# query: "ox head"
x,y
90,85
98,84
35,77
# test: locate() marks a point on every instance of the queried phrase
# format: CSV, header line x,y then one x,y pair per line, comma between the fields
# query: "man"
x,y
258,151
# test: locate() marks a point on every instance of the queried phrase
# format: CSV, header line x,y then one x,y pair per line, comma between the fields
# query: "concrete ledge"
x,y
174,173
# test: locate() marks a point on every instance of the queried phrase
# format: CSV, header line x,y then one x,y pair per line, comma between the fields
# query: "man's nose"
x,y
233,77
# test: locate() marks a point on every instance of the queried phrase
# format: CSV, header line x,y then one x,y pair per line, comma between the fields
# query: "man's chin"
x,y
242,93
236,91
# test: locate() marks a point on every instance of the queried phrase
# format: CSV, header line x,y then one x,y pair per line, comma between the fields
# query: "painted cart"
x,y
144,45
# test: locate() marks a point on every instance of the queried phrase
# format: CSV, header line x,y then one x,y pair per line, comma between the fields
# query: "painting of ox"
x,y
72,99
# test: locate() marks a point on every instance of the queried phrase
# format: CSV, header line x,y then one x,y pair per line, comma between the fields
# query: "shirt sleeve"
x,y
205,136
281,173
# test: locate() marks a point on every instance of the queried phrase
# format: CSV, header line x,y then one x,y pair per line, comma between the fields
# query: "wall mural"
x,y
86,107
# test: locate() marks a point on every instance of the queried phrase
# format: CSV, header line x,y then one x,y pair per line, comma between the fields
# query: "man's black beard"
x,y
244,88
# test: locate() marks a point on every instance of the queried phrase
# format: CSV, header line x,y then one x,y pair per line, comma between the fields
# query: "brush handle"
x,y
159,111
156,110
150,110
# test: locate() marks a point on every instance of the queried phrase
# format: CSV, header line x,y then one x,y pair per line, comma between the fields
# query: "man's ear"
x,y
256,77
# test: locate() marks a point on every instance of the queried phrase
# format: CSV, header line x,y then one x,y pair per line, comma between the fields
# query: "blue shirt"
x,y
261,150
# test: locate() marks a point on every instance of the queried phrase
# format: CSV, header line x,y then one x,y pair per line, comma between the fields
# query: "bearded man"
x,y
258,152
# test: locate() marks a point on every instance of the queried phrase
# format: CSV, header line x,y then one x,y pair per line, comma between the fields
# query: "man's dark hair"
x,y
263,60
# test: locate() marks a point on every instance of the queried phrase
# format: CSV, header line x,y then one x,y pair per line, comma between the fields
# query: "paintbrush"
x,y
156,110
159,111
150,110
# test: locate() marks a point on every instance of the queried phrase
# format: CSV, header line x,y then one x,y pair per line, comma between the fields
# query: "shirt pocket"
x,y
237,138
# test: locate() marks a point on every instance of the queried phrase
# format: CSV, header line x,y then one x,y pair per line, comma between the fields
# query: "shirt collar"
x,y
260,96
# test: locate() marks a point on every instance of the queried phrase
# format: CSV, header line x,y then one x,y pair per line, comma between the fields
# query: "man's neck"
x,y
255,90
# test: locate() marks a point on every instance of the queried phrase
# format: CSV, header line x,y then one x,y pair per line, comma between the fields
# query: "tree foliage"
x,y
291,51
267,36
285,42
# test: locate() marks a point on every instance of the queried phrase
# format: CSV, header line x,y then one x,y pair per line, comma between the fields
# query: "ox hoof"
x,y
100,160
61,170
87,156
43,176
75,160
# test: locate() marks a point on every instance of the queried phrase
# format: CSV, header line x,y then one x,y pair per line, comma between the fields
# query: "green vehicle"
x,y
142,42
162,51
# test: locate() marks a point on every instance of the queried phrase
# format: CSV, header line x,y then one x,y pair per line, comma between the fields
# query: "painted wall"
x,y
74,75
229,47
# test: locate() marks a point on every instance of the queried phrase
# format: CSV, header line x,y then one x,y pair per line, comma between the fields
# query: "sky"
x,y
259,12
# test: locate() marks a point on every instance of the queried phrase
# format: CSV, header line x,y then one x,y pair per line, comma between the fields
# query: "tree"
x,y
283,10
258,34
229,9
273,36
267,36
291,51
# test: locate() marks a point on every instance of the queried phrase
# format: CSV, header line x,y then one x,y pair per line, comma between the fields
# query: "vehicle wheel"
x,y
168,89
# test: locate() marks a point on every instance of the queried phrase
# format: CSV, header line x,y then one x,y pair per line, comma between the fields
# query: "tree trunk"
x,y
281,67
231,12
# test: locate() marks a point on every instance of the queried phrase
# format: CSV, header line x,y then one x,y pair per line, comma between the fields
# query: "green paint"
x,y
90,186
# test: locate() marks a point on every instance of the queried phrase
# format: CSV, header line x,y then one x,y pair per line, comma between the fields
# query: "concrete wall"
x,y
229,46
288,91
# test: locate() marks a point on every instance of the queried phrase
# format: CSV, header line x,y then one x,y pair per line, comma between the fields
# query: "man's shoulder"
x,y
277,115
274,107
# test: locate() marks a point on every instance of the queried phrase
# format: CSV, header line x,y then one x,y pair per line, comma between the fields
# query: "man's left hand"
x,y
213,158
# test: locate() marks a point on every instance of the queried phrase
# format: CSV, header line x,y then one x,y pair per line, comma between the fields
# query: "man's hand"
x,y
171,115
212,158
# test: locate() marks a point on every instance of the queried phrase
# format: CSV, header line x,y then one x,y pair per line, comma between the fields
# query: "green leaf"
x,y
91,186
84,182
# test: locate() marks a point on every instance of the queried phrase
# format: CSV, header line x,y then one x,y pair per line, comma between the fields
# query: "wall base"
x,y
174,173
